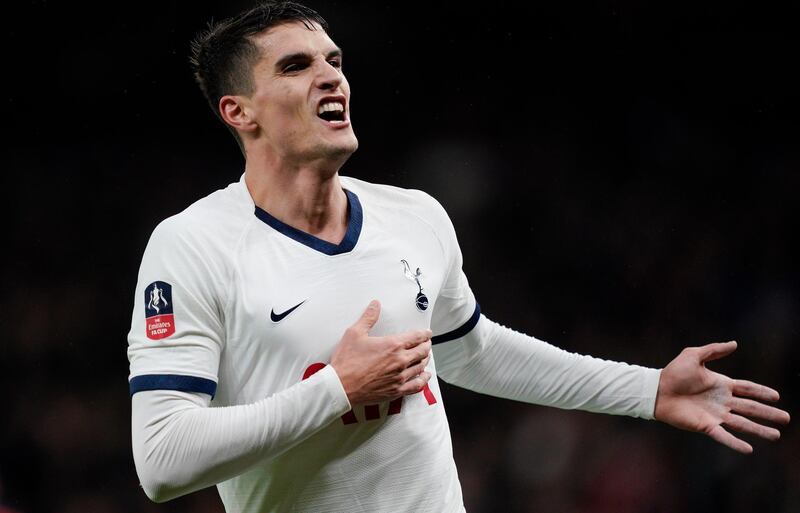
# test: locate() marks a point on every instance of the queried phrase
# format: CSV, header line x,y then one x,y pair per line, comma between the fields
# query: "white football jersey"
x,y
236,304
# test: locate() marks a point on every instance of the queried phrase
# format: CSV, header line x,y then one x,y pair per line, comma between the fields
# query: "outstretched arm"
x,y
694,398
496,360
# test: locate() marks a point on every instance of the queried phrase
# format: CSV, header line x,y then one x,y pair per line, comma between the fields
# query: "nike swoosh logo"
x,y
277,317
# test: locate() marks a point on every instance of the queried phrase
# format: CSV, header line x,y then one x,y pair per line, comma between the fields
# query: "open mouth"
x,y
331,110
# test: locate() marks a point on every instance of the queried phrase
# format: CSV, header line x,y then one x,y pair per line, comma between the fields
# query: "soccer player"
x,y
289,331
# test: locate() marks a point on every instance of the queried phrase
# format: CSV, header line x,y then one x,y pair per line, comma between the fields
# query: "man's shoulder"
x,y
413,201
214,220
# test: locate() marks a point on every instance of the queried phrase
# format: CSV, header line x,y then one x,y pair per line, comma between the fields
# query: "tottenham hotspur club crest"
x,y
422,299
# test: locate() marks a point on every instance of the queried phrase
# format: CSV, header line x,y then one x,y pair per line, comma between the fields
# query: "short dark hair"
x,y
223,55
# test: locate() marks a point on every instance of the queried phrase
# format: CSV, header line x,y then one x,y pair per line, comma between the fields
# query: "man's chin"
x,y
340,150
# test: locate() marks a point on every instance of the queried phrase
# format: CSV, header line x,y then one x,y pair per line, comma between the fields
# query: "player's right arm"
x,y
180,443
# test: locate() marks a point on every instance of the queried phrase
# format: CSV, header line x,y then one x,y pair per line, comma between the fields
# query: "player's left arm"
x,y
475,353
496,360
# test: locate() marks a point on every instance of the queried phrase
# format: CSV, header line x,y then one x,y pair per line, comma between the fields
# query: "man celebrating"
x,y
311,315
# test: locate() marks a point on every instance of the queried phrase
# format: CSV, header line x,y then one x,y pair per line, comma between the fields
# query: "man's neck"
x,y
307,197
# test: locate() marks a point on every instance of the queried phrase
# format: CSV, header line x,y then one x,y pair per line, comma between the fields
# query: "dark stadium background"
x,y
623,180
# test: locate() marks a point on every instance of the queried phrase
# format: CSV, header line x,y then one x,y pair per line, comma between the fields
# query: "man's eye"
x,y
290,68
335,63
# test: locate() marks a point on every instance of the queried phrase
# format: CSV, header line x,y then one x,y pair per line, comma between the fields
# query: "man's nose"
x,y
328,76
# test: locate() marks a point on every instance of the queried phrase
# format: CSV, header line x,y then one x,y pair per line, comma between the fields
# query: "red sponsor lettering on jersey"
x,y
371,411
160,326
347,418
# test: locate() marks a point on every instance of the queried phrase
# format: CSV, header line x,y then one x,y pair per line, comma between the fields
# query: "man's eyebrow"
x,y
304,56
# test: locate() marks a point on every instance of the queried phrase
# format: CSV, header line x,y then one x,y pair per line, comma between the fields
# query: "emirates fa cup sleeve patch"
x,y
159,318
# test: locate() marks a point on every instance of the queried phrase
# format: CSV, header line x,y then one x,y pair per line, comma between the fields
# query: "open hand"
x,y
694,398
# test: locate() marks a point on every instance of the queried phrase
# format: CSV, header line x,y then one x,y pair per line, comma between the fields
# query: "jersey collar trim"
x,y
354,223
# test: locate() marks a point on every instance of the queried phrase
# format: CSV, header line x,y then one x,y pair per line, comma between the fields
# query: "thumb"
x,y
370,316
710,352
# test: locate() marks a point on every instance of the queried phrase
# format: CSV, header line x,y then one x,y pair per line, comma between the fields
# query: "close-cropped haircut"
x,y
223,56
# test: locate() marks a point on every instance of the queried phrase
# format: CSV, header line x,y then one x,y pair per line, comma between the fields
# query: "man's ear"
x,y
234,112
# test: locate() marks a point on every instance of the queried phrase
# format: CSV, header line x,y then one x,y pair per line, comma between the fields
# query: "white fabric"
x,y
498,361
228,270
275,443
181,445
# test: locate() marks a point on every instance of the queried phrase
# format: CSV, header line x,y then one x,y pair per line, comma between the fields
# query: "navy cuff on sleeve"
x,y
461,330
172,382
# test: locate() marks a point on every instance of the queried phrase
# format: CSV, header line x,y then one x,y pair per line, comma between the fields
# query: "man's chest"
x,y
294,304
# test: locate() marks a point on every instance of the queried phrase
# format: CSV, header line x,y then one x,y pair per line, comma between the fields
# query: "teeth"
x,y
334,105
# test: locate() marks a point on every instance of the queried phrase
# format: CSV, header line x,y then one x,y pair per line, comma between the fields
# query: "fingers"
x,y
416,359
414,369
415,384
749,427
719,434
711,352
421,351
746,388
759,411
426,360
412,339
370,316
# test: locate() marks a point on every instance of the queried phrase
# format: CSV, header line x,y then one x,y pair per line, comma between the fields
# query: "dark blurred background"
x,y
622,178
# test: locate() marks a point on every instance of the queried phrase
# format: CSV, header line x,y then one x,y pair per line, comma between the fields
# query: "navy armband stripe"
x,y
461,330
172,382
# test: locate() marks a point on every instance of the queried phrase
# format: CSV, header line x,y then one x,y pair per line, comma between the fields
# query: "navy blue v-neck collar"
x,y
355,219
